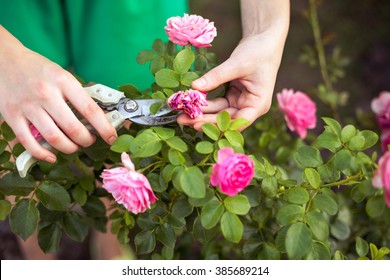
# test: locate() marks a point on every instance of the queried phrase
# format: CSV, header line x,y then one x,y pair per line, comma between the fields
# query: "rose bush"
x,y
220,193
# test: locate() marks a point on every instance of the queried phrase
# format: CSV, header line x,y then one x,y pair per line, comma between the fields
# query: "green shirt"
x,y
98,39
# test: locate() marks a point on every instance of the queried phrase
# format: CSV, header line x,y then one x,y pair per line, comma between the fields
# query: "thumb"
x,y
217,76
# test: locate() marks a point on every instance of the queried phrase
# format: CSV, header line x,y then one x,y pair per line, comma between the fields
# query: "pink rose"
x,y
128,187
232,172
381,178
189,102
34,131
381,107
299,110
385,139
191,29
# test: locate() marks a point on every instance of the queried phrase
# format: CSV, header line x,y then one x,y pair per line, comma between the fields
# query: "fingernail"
x,y
51,159
201,82
111,140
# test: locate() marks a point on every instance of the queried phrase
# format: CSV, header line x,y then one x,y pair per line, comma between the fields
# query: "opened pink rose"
x,y
381,178
189,102
191,29
233,172
299,111
128,187
381,107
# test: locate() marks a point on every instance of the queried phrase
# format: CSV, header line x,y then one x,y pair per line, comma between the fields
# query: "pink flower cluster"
x,y
381,107
299,110
189,102
128,187
191,29
381,178
233,172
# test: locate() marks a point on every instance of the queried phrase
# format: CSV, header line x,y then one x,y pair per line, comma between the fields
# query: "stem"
x,y
342,182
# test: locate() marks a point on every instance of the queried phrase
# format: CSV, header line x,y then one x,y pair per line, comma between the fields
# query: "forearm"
x,y
262,15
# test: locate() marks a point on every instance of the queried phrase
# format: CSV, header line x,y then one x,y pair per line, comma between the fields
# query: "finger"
x,y
215,105
23,134
51,133
219,75
91,111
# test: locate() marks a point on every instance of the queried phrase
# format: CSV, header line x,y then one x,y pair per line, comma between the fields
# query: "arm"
x,y
34,90
252,67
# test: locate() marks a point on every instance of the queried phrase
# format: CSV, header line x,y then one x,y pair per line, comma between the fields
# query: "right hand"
x,y
35,90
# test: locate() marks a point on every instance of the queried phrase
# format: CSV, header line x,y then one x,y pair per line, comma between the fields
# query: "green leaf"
x,y
23,218
163,132
289,213
130,91
75,226
328,172
318,224
298,240
223,120
166,235
157,64
325,203
188,78
375,206
53,196
370,138
145,56
318,251
79,195
269,186
211,213
313,177
268,252
145,242
329,141
234,137
347,133
145,144
183,61
232,228
238,123
307,156
13,184
94,207
342,159
204,147
238,204
192,182
296,195
333,124
123,235
155,107
159,46
177,143
122,143
7,132
5,207
3,145
175,157
211,131
201,234
49,238
4,157
362,247
181,207
357,143
167,78
158,95
340,230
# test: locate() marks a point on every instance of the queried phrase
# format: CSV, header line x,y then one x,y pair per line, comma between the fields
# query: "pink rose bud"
x,y
299,111
381,178
34,131
189,102
128,187
191,29
232,172
381,107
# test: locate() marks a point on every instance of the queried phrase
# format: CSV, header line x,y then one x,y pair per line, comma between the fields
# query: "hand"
x,y
251,71
34,90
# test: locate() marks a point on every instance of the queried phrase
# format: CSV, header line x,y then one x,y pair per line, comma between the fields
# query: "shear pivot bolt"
x,y
130,106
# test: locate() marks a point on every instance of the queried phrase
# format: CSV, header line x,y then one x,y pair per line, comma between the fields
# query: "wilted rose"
x,y
233,172
299,110
128,187
381,107
189,102
191,29
381,178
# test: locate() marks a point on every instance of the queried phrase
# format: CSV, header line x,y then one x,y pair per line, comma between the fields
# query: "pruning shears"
x,y
119,109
